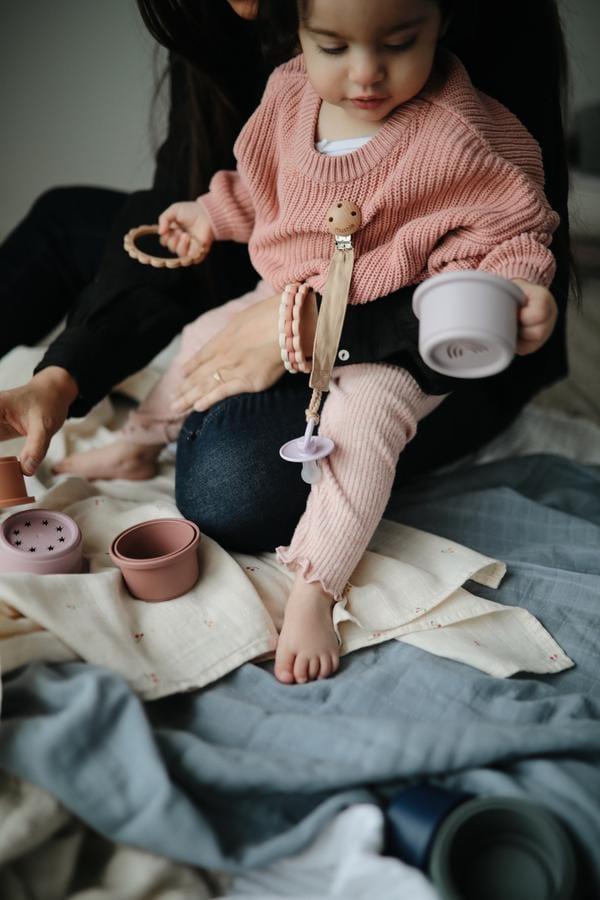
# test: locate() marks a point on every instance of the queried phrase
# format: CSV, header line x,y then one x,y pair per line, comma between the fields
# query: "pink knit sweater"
x,y
452,180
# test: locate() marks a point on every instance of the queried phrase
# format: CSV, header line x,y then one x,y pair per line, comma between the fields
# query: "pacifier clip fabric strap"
x,y
343,219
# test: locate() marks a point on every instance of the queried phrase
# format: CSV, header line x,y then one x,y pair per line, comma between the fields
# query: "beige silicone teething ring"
x,y
159,262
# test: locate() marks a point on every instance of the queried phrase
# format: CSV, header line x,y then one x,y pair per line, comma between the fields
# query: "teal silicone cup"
x,y
502,848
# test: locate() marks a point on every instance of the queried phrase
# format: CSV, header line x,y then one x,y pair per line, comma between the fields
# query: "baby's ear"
x,y
445,26
447,18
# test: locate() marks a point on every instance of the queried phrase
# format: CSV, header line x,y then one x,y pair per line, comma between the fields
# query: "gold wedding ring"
x,y
218,377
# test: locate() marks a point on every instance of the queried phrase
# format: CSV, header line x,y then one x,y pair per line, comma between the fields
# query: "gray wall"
x,y
582,26
76,81
76,84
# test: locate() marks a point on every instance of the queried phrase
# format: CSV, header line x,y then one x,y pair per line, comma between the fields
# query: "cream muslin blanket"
x,y
409,587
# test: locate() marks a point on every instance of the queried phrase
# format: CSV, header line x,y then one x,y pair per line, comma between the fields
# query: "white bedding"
x,y
40,844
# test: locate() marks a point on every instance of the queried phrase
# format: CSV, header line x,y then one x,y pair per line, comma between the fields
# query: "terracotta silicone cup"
x,y
158,558
41,542
502,848
12,483
467,323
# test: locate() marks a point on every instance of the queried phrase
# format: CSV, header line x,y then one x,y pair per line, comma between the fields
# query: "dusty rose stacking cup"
x,y
158,558
12,483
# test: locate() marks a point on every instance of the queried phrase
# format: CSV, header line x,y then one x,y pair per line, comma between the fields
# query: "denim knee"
x,y
231,480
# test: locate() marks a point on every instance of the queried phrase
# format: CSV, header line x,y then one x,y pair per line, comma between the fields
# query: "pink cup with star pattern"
x,y
40,542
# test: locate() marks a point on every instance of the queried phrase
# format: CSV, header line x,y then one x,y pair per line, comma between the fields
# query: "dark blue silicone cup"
x,y
413,818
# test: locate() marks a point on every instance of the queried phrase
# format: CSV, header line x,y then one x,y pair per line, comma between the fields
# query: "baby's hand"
x,y
537,317
185,229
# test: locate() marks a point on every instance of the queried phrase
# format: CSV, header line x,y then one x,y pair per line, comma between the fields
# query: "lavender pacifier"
x,y
307,450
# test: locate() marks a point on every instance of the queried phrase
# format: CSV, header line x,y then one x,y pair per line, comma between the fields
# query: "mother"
x,y
229,476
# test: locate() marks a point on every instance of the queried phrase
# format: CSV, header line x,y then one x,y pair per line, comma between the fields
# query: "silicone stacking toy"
x,y
158,558
467,323
503,848
12,483
482,848
41,542
342,221
159,262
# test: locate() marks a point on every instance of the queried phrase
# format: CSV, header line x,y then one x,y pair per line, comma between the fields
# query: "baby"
x,y
374,111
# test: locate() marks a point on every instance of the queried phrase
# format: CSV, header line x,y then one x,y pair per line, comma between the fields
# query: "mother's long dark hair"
x,y
513,50
221,67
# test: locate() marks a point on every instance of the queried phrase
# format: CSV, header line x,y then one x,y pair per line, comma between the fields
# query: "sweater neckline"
x,y
320,167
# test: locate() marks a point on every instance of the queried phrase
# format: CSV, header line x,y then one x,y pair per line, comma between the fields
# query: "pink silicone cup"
x,y
158,558
41,542
467,323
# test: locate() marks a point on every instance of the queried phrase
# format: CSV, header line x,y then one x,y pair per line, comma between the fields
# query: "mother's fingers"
x,y
203,393
229,388
203,356
7,431
198,383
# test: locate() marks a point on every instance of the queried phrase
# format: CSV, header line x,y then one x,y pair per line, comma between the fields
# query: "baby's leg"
x,y
134,453
371,412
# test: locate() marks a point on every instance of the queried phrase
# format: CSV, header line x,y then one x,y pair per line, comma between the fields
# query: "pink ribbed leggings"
x,y
370,412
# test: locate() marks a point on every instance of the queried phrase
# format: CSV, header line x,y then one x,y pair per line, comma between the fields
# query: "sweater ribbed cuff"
x,y
526,270
224,220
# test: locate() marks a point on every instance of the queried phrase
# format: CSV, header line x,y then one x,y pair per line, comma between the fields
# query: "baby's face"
x,y
369,56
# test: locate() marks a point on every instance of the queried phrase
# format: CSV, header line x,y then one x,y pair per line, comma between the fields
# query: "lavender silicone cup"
x,y
41,542
12,483
158,558
467,323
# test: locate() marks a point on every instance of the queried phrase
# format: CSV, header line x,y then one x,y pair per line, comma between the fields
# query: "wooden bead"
x,y
343,217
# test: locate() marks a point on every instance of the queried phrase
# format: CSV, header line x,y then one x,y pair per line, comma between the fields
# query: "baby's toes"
x,y
301,669
326,667
314,667
284,666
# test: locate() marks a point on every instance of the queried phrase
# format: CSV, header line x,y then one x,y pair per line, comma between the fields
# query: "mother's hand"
x,y
36,411
243,358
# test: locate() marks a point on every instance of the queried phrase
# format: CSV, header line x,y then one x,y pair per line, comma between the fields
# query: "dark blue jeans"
x,y
232,482
230,478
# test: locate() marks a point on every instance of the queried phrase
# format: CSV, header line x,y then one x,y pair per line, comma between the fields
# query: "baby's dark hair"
x,y
280,20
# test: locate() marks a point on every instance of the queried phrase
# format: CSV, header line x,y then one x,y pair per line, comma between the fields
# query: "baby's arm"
x,y
224,213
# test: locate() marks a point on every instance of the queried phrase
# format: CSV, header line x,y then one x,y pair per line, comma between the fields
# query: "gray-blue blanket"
x,y
247,770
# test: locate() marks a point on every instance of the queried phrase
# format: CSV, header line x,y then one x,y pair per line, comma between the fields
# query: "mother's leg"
x,y
230,478
49,257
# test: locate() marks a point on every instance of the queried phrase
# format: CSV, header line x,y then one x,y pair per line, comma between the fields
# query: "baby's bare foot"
x,y
307,648
134,462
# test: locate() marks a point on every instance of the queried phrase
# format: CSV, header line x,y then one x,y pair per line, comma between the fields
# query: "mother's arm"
x,y
129,312
246,356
